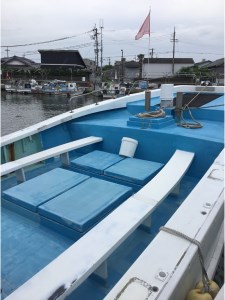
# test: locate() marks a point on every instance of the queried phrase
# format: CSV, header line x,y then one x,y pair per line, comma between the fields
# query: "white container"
x,y
166,95
128,147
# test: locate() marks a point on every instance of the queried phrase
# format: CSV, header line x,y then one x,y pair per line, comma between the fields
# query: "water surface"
x,y
20,111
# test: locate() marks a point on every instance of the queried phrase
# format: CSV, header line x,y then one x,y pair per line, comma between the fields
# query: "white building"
x,y
163,67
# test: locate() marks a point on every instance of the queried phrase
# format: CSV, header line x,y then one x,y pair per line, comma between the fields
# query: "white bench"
x,y
89,253
62,150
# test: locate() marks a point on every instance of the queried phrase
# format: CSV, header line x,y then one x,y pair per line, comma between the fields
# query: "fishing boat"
x,y
22,87
121,199
61,87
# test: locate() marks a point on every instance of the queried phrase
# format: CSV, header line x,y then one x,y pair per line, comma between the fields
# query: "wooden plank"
x,y
40,156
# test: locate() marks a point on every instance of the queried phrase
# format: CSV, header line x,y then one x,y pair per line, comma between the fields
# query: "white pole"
x,y
149,40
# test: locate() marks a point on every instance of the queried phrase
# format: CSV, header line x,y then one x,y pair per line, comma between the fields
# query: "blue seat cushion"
x,y
134,170
86,204
96,161
30,194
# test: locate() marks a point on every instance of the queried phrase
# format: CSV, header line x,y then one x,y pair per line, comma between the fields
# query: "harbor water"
x,y
20,111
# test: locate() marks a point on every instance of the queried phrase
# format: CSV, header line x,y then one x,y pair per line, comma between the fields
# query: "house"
x,y
55,64
16,62
163,67
217,67
125,71
203,64
10,65
147,69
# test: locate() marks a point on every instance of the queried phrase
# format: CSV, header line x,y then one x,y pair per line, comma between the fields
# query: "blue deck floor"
x,y
28,246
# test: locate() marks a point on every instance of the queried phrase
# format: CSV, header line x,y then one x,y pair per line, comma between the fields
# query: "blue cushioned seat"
x,y
134,170
86,204
40,189
96,161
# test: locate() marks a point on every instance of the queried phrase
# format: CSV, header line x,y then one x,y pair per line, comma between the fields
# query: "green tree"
x,y
140,58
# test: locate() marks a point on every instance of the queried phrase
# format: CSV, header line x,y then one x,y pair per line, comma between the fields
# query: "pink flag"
x,y
145,28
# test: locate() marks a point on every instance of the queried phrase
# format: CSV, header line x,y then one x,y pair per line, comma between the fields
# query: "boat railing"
x,y
76,97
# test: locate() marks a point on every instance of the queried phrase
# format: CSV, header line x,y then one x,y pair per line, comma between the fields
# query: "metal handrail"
x,y
81,95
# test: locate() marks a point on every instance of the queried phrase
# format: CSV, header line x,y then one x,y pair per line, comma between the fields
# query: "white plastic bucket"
x,y
128,147
166,95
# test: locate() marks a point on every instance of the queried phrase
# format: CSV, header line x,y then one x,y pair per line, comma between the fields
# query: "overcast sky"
x,y
199,27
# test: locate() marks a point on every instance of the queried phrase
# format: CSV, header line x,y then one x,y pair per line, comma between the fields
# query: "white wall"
x,y
161,70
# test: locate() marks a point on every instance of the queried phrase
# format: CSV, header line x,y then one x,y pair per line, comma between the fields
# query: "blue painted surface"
x,y
86,204
120,261
134,170
27,246
32,193
156,144
96,161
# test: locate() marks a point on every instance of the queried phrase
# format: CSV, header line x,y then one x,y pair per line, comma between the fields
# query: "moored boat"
x,y
116,200
59,87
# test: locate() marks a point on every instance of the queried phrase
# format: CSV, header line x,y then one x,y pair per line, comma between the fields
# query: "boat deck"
x,y
39,245
28,245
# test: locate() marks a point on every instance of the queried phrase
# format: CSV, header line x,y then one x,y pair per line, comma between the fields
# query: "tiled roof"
x,y
216,63
24,60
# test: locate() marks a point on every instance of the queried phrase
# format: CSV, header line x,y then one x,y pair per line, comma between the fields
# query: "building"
x,y
55,64
125,71
90,64
61,58
164,67
147,68
16,64
217,67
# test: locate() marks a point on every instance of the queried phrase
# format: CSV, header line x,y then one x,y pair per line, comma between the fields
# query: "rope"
x,y
189,125
185,124
154,114
205,278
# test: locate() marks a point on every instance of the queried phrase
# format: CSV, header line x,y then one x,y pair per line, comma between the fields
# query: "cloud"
x,y
199,25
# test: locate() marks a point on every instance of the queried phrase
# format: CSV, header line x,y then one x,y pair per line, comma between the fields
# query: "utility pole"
x,y
96,50
122,67
152,52
174,40
101,50
7,51
96,47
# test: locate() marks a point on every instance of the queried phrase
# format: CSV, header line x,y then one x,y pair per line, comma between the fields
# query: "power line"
x,y
46,42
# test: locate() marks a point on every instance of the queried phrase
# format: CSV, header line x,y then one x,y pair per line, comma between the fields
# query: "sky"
x,y
199,28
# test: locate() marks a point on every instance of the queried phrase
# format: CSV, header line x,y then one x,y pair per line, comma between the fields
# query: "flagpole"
x,y
149,36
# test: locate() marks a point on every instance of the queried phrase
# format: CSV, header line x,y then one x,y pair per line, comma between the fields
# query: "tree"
x,y
140,58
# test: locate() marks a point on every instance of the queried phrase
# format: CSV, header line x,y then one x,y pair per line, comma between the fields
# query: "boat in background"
x,y
55,87
121,199
22,87
61,87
